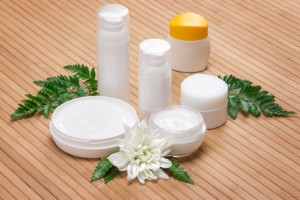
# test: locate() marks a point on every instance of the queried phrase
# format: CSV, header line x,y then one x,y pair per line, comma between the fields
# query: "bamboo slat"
x,y
247,158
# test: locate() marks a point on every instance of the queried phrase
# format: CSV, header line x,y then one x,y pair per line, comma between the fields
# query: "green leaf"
x,y
245,106
88,77
178,172
18,114
233,107
101,169
46,110
93,73
255,110
57,90
39,83
243,95
111,174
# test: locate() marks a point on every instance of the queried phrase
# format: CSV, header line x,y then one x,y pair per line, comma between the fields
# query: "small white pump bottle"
x,y
113,51
155,76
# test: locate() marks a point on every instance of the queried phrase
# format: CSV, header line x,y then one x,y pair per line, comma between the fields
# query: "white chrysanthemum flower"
x,y
141,154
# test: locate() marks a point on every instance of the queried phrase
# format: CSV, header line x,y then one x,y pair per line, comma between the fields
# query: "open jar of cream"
x,y
183,126
207,94
90,127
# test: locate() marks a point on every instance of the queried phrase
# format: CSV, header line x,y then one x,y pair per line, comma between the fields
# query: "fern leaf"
x,y
243,95
101,169
178,172
57,90
111,174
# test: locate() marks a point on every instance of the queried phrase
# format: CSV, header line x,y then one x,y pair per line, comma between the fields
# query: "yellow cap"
x,y
189,26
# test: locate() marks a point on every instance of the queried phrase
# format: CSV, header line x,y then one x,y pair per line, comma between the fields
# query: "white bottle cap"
x,y
154,53
113,18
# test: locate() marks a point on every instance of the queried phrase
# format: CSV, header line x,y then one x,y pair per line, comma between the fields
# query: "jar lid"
x,y
204,92
96,118
189,26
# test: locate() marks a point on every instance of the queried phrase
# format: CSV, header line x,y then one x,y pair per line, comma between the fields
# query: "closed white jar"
x,y
207,94
190,42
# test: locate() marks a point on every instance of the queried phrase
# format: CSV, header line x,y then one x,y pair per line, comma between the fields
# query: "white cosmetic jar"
x,y
182,126
90,127
190,43
207,94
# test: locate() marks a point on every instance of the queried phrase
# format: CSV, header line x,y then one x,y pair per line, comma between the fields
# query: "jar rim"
x,y
179,133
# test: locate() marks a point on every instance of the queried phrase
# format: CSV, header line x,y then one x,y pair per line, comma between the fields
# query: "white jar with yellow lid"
x,y
190,42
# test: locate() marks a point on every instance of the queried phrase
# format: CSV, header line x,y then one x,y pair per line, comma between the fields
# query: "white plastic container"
x,y
207,94
113,51
183,126
90,127
155,76
190,42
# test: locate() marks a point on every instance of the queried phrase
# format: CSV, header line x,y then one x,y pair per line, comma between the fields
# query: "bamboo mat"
x,y
247,158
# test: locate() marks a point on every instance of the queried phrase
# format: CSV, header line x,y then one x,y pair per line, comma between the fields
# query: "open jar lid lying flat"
x,y
94,123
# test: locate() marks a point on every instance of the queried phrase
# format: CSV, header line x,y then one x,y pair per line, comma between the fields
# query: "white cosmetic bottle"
x,y
113,51
155,76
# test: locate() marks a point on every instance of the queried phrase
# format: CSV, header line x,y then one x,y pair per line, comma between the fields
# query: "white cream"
x,y
182,125
92,119
176,119
93,123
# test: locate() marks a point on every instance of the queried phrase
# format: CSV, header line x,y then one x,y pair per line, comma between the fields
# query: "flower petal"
x,y
161,174
144,126
142,176
142,167
131,172
142,181
153,166
155,151
149,174
165,152
165,163
135,170
119,160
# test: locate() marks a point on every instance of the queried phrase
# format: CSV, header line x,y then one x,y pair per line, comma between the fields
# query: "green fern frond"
x,y
243,95
111,174
102,169
57,90
178,172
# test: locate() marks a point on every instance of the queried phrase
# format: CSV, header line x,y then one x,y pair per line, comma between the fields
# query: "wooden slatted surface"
x,y
247,158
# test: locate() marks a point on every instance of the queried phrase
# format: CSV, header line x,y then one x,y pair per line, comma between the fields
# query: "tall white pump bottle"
x,y
155,76
113,51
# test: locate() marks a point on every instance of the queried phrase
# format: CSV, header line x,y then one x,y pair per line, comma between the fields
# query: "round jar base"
x,y
83,152
214,118
189,147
